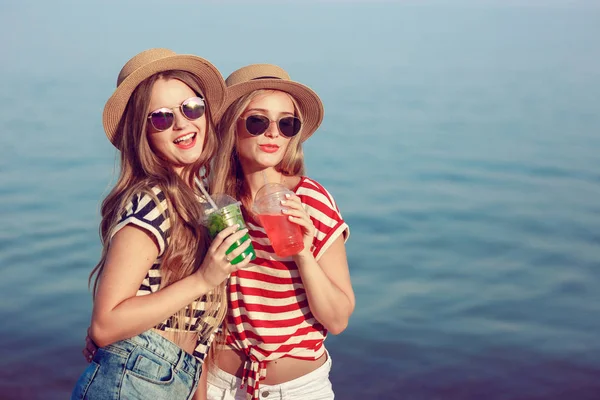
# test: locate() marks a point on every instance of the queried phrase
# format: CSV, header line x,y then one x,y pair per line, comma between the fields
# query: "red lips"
x,y
184,145
269,148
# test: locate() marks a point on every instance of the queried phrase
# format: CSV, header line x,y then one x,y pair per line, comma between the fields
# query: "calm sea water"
x,y
462,144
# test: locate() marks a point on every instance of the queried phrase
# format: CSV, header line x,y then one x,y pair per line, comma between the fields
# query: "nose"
x,y
180,121
273,130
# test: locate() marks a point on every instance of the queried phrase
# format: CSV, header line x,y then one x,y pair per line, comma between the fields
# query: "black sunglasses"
x,y
258,124
163,118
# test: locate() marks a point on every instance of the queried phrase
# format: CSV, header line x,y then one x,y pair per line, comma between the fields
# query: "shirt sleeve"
x,y
325,216
150,214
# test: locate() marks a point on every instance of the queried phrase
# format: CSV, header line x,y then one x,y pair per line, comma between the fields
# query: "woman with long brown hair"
x,y
159,287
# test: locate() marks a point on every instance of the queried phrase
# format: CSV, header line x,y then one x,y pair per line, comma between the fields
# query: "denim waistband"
x,y
163,348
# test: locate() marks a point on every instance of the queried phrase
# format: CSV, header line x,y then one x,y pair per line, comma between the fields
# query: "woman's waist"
x,y
280,370
186,340
152,341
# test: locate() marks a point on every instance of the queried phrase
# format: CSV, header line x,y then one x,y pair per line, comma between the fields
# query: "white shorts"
x,y
313,386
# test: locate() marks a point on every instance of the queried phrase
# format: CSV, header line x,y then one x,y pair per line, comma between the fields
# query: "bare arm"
x,y
200,393
119,314
327,282
328,287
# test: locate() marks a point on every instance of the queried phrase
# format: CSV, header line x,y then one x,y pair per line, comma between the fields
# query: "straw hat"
x,y
148,63
268,76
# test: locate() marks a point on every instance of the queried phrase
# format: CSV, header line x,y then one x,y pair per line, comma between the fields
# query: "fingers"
x,y
239,250
231,239
218,261
292,199
223,234
88,356
235,253
89,350
242,264
297,213
294,203
304,222
90,345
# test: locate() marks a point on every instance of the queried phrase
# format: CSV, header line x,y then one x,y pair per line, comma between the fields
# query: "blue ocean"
x,y
461,141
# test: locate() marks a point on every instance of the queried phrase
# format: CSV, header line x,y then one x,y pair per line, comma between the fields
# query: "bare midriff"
x,y
185,340
278,371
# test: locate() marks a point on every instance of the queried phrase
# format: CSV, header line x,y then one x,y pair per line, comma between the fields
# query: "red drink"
x,y
285,236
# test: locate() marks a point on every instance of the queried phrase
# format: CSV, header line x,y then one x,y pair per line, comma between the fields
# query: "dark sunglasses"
x,y
163,118
258,124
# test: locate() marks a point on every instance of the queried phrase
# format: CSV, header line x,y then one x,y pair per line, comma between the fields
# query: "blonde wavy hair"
x,y
140,170
227,175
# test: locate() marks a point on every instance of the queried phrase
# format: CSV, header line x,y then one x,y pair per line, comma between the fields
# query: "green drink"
x,y
228,214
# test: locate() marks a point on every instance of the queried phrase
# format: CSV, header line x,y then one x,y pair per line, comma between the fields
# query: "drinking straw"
x,y
205,193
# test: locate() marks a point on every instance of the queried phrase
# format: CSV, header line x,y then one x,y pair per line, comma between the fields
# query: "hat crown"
x,y
141,59
256,71
154,61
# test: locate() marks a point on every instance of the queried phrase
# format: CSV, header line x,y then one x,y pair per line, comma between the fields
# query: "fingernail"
x,y
287,195
283,201
284,210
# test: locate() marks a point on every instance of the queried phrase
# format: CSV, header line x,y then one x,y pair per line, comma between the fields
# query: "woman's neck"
x,y
184,175
255,179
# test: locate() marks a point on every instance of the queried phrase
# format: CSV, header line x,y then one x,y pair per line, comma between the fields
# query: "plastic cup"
x,y
285,236
229,213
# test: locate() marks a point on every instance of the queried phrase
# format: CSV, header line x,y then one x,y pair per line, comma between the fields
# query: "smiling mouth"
x,y
185,140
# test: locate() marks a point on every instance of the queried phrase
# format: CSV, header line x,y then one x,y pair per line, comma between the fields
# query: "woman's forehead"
x,y
273,101
169,93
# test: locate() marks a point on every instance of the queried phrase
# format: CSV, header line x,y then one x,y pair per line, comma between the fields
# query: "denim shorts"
x,y
146,366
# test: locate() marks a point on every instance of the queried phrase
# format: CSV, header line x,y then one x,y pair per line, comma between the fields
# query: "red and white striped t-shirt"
x,y
269,317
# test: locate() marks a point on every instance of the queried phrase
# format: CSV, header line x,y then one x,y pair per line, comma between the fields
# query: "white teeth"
x,y
186,137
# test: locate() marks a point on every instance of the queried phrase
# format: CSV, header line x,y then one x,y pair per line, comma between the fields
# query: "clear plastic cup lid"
x,y
271,188
221,200
263,200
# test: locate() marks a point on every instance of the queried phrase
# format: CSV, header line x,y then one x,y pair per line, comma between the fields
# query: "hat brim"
x,y
212,82
309,102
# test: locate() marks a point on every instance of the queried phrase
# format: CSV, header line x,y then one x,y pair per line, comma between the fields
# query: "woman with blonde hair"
x,y
159,287
280,308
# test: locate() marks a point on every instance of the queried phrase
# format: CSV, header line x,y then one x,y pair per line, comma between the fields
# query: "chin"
x,y
187,161
194,154
269,161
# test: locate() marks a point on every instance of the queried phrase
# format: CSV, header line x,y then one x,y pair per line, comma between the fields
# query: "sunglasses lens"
x,y
193,108
289,126
161,119
257,124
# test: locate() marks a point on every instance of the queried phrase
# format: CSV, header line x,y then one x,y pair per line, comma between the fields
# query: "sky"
x,y
68,36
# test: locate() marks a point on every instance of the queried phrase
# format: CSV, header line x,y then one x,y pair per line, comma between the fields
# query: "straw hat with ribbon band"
x,y
268,76
150,62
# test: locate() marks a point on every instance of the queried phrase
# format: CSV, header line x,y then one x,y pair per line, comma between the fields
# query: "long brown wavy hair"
x,y
140,170
228,176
